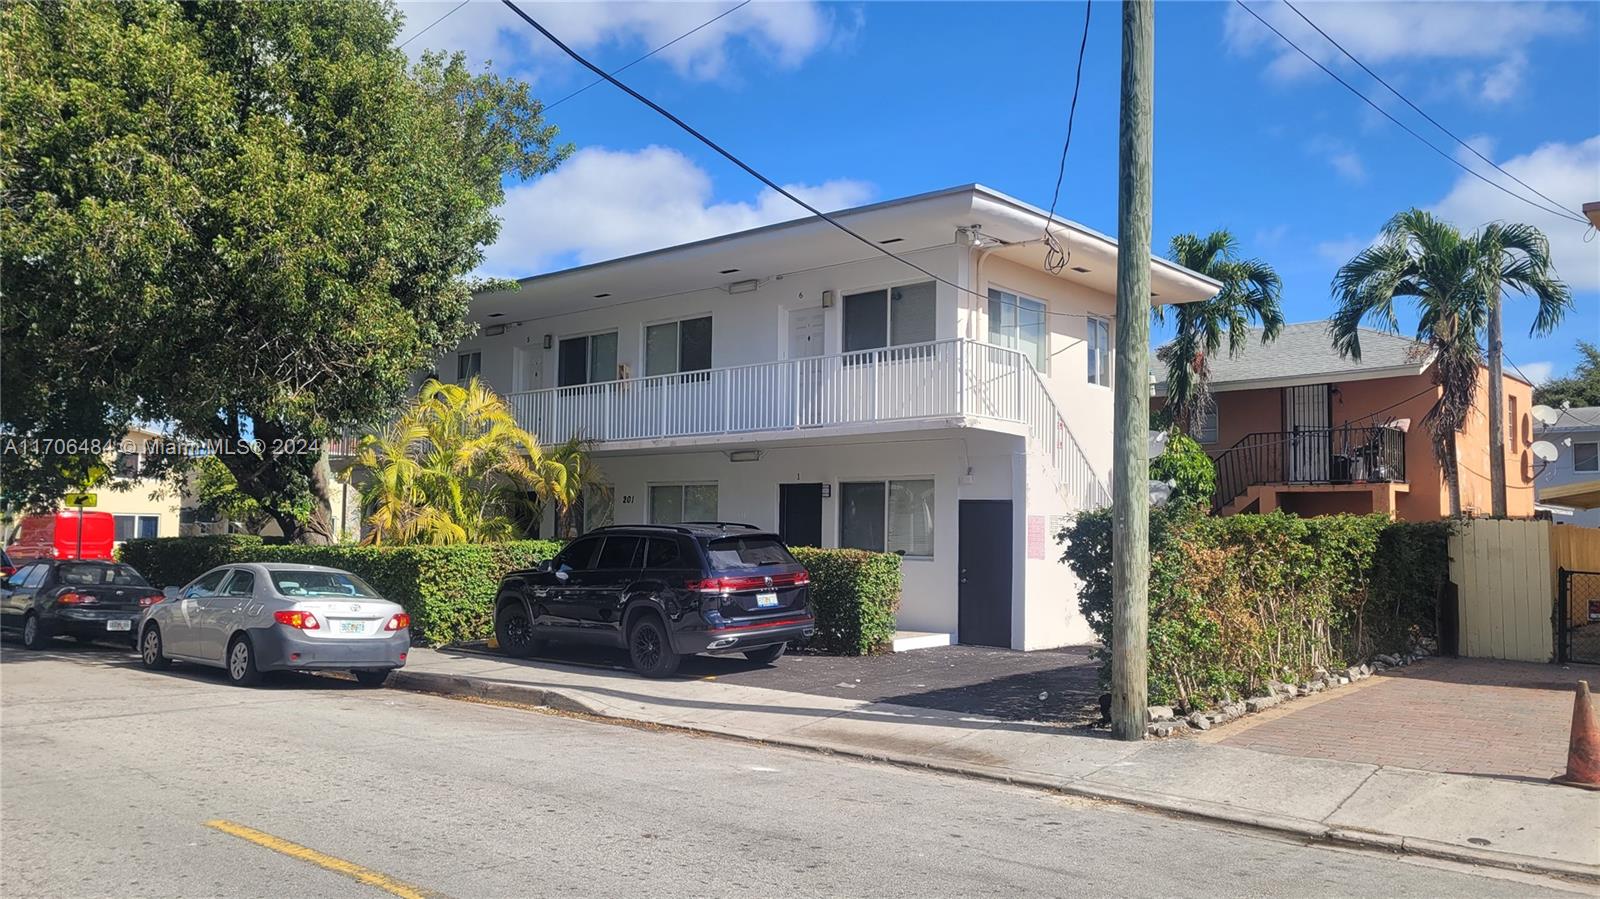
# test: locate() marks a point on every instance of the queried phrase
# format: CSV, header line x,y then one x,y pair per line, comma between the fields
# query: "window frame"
x,y
1215,418
1041,363
1098,351
1591,443
588,356
682,486
677,349
462,362
885,483
226,587
887,289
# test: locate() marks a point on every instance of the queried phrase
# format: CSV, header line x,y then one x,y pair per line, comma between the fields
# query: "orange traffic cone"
x,y
1583,750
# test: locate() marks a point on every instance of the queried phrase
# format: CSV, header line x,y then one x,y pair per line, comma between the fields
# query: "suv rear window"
x,y
747,552
97,575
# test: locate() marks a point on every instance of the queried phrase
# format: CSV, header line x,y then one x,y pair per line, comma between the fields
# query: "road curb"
x,y
1299,828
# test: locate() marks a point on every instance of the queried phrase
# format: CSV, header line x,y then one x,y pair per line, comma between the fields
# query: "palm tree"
x,y
1250,293
1456,281
452,466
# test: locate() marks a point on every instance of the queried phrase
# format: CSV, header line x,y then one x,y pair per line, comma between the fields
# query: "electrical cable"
x,y
1563,213
433,23
731,9
1055,259
746,167
1431,120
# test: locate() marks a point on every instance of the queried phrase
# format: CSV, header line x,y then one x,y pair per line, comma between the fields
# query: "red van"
x,y
56,535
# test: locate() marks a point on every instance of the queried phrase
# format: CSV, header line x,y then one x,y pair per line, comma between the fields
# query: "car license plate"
x,y
766,600
351,627
119,624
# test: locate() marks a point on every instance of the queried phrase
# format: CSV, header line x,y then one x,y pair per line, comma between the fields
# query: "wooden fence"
x,y
1505,577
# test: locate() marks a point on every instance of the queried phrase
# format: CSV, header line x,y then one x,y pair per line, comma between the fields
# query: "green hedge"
x,y
854,595
448,590
1239,601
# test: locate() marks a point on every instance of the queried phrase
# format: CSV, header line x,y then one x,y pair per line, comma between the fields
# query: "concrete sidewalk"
x,y
1516,824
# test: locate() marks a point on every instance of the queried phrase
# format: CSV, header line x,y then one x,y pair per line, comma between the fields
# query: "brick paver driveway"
x,y
1461,716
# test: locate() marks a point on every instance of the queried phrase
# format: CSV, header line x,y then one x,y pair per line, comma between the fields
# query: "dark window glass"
x,y
574,362
866,320
124,527
242,584
1586,456
207,585
37,576
663,552
618,552
87,575
579,555
694,338
747,552
862,516
149,527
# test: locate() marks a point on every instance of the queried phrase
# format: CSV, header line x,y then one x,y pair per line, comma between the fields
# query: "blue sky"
x,y
862,102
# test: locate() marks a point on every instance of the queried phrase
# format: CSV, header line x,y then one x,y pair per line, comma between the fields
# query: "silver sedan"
x,y
255,617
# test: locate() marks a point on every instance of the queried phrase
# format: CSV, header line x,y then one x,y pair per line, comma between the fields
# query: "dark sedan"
x,y
79,598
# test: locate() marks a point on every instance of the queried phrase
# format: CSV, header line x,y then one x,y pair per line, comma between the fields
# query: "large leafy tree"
x,y
1250,293
1580,388
1455,280
454,467
254,221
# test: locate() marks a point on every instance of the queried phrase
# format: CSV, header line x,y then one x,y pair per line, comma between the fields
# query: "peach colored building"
x,y
1298,428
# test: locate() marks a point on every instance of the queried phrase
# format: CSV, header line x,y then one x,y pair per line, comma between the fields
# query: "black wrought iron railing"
x,y
1345,455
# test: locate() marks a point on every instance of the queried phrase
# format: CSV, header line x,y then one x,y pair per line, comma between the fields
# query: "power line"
x,y
1055,259
748,169
433,23
630,65
1408,129
1435,122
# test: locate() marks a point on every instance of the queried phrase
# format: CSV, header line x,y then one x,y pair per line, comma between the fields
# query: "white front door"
x,y
527,372
806,331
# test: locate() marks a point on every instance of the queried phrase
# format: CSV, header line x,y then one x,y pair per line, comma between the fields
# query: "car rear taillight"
x,y
398,622
151,600
7,570
74,599
304,621
755,582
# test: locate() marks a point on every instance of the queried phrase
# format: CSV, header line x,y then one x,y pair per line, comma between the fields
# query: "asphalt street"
x,y
115,781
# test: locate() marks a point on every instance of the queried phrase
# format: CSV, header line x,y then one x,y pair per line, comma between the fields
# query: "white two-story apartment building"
x,y
791,377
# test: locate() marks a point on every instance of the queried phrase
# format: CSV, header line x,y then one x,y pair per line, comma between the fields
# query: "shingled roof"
x,y
1304,353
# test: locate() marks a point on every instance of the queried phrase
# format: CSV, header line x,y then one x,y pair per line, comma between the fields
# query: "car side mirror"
x,y
562,576
544,566
170,592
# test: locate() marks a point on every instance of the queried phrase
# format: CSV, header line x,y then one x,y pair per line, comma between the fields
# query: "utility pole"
x,y
1130,488
1497,405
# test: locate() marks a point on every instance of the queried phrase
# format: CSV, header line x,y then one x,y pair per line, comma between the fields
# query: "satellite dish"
x,y
1545,415
1158,443
1544,450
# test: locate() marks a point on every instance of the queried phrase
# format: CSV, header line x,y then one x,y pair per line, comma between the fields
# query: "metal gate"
x,y
1578,616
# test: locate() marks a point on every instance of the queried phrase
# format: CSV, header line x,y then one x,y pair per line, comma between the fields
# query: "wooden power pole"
x,y
1130,487
1497,405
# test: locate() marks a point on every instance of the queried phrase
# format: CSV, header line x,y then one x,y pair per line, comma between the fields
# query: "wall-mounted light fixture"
x,y
744,286
827,299
549,341
744,455
494,330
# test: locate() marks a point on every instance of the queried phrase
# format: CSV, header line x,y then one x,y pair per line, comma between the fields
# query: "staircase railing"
x,y
1343,455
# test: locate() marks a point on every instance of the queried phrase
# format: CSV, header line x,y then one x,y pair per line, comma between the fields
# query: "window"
x,y
36,576
1017,323
149,527
128,465
892,317
1586,456
243,583
91,575
590,359
677,346
1208,427
747,552
468,366
20,576
1512,439
321,583
887,516
578,555
123,527
207,585
1099,351
672,503
663,552
618,552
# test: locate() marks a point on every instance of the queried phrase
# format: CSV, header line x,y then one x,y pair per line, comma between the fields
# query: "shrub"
x,y
854,595
448,590
1184,462
1239,601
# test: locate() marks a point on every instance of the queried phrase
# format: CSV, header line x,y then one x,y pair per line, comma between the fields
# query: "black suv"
x,y
661,592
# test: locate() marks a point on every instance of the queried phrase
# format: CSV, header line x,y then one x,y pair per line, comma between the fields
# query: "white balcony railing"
x,y
946,378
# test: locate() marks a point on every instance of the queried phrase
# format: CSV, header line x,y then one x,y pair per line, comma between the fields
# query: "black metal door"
x,y
984,572
800,514
1578,616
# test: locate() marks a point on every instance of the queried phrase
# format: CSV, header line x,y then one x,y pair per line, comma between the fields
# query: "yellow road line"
x,y
322,860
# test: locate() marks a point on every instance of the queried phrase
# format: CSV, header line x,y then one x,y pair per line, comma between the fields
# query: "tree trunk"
x,y
1130,490
1497,414
318,529
1452,478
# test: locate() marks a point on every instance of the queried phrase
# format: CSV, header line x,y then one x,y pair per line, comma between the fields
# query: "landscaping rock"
x,y
1353,672
1161,713
1199,721
1162,728
1261,703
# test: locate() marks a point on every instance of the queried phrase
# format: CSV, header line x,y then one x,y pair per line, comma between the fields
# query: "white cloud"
x,y
1538,372
601,204
1568,174
1344,249
785,33
1490,38
1340,156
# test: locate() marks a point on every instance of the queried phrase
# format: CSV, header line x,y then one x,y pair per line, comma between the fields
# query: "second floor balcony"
x,y
1310,457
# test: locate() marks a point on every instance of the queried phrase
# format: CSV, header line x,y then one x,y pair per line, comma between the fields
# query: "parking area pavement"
x,y
1456,716
1058,686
